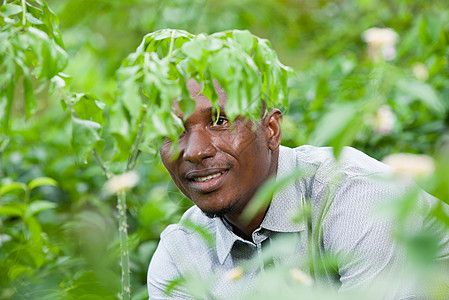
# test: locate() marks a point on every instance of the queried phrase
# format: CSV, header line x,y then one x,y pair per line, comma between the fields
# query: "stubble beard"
x,y
227,210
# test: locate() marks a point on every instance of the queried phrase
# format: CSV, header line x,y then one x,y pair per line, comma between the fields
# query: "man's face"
x,y
220,165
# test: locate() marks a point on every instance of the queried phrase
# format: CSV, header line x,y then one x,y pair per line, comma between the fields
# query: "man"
x,y
344,242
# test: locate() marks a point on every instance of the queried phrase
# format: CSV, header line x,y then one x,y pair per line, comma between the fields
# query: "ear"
x,y
273,121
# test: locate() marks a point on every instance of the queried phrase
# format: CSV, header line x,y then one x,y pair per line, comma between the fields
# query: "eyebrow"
x,y
210,109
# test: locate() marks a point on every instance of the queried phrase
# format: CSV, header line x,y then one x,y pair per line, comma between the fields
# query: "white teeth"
x,y
206,178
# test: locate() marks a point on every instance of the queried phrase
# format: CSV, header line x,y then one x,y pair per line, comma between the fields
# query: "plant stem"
x,y
124,252
24,11
123,225
171,43
121,208
101,163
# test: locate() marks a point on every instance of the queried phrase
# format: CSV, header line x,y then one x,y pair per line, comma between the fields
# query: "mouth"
x,y
206,181
206,178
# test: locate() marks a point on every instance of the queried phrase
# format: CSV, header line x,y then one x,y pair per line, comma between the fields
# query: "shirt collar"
x,y
225,239
284,205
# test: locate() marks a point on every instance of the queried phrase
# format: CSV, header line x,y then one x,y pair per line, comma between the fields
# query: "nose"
x,y
198,146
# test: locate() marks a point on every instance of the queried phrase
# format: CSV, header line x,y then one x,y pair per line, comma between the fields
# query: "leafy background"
x,y
58,226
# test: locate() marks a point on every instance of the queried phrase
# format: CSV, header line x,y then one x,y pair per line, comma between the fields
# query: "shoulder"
x,y
192,237
351,161
176,253
324,173
353,179
183,245
322,170
350,186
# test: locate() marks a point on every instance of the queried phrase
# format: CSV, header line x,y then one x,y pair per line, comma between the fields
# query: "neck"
x,y
242,227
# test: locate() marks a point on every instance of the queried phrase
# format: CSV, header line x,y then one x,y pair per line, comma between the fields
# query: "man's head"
x,y
220,165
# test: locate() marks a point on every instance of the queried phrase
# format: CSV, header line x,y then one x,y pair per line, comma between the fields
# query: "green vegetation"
x,y
76,109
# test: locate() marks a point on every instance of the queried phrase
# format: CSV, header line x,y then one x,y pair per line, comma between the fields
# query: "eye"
x,y
221,121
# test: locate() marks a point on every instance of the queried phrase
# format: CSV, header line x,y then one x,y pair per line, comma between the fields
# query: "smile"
x,y
207,178
206,181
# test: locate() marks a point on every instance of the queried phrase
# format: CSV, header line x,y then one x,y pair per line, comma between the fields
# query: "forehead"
x,y
203,104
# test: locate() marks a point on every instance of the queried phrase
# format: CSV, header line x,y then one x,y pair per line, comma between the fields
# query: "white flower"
x,y
420,71
411,165
381,42
301,277
384,120
380,36
233,274
4,238
121,182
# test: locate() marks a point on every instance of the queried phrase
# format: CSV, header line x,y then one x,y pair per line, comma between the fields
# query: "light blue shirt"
x,y
345,225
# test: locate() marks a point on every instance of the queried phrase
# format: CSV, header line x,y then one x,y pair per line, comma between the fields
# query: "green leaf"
x,y
16,270
322,91
50,57
187,105
423,92
48,60
30,18
88,107
120,130
219,65
159,121
11,210
332,124
30,100
35,229
214,45
38,206
10,9
131,98
35,249
6,100
435,24
51,20
42,181
193,49
245,39
13,186
85,137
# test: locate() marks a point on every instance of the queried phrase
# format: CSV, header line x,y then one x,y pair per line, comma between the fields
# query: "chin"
x,y
218,213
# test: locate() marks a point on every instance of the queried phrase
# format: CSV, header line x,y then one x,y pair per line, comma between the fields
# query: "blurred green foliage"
x,y
58,228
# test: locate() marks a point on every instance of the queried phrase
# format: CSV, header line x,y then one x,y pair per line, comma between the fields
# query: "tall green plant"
x,y
31,53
